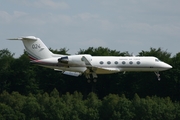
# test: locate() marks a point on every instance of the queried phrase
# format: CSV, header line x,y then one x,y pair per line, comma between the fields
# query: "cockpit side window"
x,y
157,60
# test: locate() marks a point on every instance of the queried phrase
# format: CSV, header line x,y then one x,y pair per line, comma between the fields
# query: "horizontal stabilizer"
x,y
24,38
15,39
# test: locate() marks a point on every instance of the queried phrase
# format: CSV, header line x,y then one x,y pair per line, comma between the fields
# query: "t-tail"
x,y
35,48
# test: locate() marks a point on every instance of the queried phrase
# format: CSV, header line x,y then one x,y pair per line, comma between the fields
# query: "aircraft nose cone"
x,y
164,66
168,66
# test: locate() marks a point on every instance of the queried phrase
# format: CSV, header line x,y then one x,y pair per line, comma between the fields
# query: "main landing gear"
x,y
91,79
158,75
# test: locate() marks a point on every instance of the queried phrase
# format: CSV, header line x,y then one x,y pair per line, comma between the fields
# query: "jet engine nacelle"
x,y
75,59
63,60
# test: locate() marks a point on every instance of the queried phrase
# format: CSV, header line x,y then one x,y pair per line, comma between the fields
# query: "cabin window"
x,y
123,62
131,62
101,62
138,62
116,62
108,62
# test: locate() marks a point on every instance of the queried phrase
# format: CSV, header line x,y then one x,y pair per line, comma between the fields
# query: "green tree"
x,y
60,51
31,108
159,53
6,60
14,101
108,107
23,77
76,106
101,51
174,78
123,109
93,105
7,113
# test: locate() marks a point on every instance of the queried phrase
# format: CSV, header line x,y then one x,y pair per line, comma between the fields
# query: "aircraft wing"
x,y
91,69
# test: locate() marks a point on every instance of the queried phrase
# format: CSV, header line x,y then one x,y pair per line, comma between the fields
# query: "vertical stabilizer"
x,y
35,48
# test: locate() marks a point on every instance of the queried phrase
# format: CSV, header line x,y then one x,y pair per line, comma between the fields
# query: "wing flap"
x,y
76,74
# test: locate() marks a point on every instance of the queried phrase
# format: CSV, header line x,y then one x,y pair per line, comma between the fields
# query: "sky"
x,y
122,25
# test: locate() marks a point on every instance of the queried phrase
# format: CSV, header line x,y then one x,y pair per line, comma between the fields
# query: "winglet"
x,y
86,61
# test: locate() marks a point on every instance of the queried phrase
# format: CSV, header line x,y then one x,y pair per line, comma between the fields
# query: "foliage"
x,y
32,92
100,51
71,106
60,51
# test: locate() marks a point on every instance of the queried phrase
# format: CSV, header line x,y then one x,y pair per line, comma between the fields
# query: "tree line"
x,y
18,76
52,106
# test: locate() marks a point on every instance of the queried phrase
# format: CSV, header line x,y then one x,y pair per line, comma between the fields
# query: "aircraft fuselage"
x,y
86,64
110,64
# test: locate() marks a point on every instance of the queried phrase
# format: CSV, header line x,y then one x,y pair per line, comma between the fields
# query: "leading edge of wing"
x,y
106,70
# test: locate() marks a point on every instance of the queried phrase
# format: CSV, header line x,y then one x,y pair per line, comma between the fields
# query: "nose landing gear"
x,y
158,75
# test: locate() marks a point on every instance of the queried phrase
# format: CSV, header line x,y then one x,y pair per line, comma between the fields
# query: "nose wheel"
x,y
158,75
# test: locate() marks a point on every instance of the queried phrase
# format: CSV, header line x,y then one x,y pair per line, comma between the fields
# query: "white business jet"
x,y
86,64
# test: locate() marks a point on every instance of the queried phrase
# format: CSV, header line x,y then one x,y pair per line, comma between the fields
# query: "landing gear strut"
x,y
94,78
158,75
